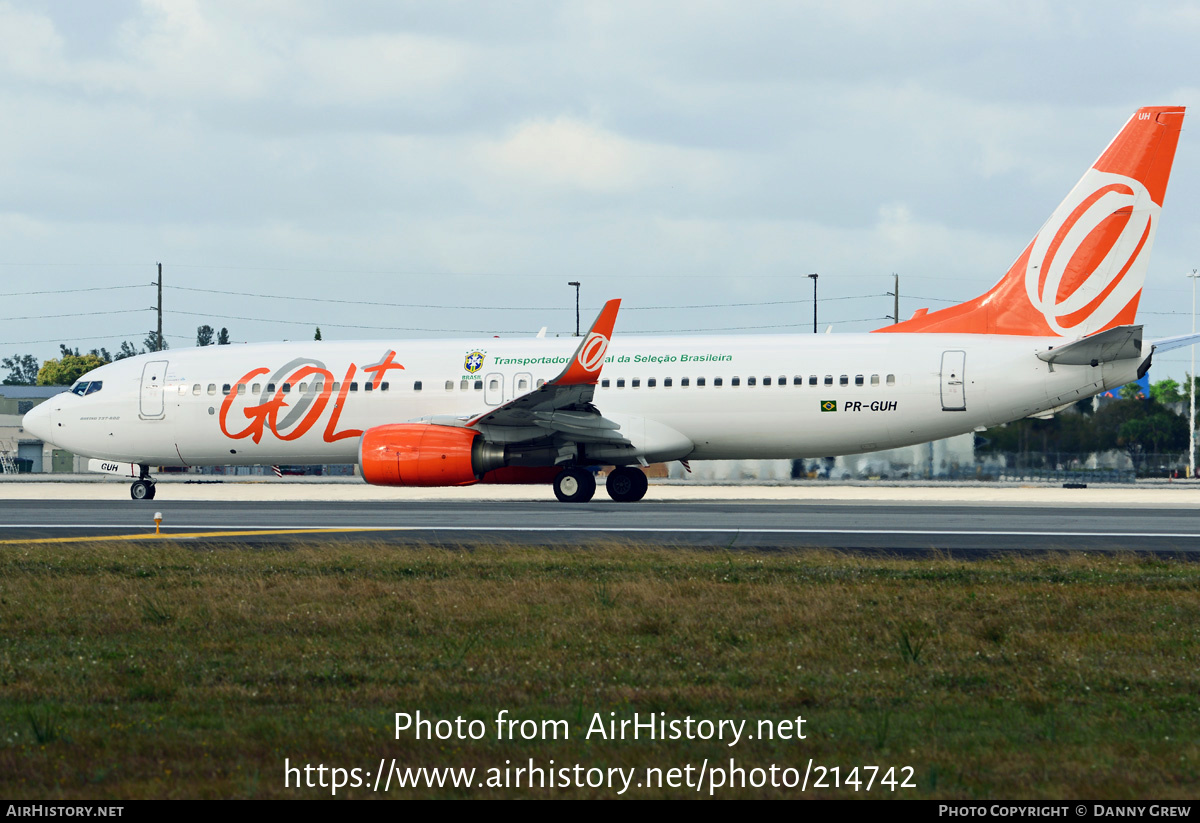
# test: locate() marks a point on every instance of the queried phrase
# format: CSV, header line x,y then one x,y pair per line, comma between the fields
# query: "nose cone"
x,y
38,421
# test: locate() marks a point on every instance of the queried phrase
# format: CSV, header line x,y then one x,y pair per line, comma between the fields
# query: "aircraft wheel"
x,y
142,490
574,485
626,484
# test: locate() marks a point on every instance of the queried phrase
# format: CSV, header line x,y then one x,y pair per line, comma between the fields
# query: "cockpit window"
x,y
87,387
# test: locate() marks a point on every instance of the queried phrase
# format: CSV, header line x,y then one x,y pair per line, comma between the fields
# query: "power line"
x,y
75,339
68,291
73,314
498,308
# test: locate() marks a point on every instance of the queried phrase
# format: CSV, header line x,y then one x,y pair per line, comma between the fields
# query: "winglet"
x,y
584,368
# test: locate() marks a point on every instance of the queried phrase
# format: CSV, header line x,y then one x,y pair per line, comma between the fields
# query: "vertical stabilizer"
x,y
1083,271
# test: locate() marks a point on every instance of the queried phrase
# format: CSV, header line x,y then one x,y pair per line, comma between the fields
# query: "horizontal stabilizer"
x,y
1169,343
1121,343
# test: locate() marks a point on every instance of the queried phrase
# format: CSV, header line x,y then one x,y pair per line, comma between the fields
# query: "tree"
x,y
1165,391
67,370
1132,391
204,335
1163,431
127,350
223,337
151,342
317,336
22,370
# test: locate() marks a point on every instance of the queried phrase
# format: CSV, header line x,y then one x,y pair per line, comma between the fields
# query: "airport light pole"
x,y
575,283
814,279
1192,388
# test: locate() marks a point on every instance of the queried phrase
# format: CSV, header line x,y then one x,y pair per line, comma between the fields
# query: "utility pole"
x,y
158,338
895,293
575,283
1192,388
814,279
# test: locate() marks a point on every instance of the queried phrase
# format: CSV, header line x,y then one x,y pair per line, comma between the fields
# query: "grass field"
x,y
159,670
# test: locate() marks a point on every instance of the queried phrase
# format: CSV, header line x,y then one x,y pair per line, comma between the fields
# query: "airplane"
x,y
1058,326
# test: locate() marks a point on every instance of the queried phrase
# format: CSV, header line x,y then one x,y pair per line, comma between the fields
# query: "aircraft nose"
x,y
38,421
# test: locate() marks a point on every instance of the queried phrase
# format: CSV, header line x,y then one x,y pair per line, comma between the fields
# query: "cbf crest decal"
x,y
474,361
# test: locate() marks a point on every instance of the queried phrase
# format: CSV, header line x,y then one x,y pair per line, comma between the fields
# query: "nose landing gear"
x,y
143,487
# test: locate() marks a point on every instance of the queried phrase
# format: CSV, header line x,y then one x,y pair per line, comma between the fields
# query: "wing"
x,y
560,411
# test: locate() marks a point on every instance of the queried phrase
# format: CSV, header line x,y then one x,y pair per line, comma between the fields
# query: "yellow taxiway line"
x,y
184,535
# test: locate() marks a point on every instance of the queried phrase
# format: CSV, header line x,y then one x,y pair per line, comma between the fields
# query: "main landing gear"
x,y
143,487
626,484
574,485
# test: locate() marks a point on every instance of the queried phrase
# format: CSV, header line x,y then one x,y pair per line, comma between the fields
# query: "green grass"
x,y
155,670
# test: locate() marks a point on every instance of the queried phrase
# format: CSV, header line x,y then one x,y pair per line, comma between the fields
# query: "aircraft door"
x,y
493,389
954,380
154,374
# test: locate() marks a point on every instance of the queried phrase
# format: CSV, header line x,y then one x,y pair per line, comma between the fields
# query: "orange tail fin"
x,y
1083,271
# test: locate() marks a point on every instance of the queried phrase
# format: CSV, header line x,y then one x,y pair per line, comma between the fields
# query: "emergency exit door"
x,y
954,364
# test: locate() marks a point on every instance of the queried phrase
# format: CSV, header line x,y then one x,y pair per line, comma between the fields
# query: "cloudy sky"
x,y
426,169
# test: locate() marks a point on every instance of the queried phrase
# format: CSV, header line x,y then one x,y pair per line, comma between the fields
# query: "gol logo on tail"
x,y
1079,267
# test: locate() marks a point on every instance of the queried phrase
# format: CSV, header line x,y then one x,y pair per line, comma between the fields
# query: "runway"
x,y
870,525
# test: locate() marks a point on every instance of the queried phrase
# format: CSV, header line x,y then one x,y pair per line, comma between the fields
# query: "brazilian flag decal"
x,y
828,405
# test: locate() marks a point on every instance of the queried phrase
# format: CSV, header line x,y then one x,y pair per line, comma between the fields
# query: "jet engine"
x,y
422,454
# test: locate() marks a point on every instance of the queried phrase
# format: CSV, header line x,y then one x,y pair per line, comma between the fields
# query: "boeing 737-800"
x,y
1058,327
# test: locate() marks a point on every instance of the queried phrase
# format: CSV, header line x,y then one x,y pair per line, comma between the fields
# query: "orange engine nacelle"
x,y
421,454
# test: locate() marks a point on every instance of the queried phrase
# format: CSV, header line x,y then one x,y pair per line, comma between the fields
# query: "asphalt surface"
x,y
870,526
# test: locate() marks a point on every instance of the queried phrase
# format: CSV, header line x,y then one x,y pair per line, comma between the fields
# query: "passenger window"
x,y
718,381
478,385
666,382
685,382
493,384
620,382
196,388
463,385
225,389
874,380
384,386
270,388
636,382
699,381
212,388
604,383
766,381
287,388
735,381
416,385
318,388
241,389
651,383
891,379
541,381
798,380
303,388
353,386
336,387
829,380
369,385
449,385
812,380
844,380
858,379
522,384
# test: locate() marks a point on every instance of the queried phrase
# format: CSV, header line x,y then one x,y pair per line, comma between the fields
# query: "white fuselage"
x,y
762,396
